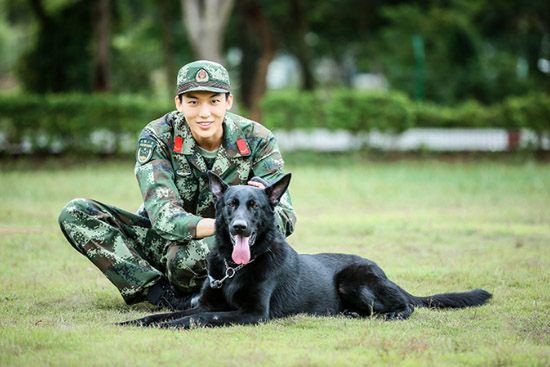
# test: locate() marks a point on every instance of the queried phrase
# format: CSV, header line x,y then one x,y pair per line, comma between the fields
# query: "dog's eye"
x,y
254,205
231,204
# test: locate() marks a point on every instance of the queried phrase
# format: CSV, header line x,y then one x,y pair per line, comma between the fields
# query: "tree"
x,y
258,46
299,46
205,21
60,59
102,45
167,44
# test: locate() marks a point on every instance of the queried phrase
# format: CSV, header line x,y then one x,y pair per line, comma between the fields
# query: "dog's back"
x,y
306,285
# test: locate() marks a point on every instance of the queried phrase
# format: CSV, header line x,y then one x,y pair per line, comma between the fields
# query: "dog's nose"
x,y
239,226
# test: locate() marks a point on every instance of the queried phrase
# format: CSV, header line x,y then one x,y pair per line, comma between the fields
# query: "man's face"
x,y
204,112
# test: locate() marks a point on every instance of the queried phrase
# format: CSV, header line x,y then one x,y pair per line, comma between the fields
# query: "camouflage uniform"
x,y
135,251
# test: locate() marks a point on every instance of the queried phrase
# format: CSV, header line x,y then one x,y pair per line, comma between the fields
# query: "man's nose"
x,y
205,110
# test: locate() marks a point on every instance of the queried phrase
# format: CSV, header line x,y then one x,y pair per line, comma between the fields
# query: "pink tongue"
x,y
241,251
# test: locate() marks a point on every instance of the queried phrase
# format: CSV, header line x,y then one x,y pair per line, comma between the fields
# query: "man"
x,y
159,253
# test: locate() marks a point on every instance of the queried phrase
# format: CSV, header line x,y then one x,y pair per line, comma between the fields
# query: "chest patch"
x,y
145,150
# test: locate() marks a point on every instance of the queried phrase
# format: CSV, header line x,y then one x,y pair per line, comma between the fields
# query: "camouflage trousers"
x,y
130,254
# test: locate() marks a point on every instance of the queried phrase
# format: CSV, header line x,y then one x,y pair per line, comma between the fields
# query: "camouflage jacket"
x,y
171,172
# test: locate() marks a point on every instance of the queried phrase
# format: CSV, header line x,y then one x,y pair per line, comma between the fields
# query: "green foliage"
x,y
467,115
293,109
366,111
60,60
479,50
70,120
342,109
473,50
393,111
531,111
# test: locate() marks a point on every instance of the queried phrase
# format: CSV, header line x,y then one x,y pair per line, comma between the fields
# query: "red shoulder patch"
x,y
178,144
243,148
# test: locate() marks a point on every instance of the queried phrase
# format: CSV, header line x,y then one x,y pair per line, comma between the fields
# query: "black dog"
x,y
254,275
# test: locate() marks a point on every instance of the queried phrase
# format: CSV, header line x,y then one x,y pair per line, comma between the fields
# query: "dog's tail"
x,y
476,297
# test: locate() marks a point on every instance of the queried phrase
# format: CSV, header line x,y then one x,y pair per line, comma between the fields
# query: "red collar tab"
x,y
243,148
178,144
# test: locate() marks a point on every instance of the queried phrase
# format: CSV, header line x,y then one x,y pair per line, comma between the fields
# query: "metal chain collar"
x,y
229,273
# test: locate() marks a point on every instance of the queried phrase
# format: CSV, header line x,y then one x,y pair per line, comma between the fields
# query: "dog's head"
x,y
245,212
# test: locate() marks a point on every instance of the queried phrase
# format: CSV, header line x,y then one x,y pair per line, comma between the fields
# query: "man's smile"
x,y
205,124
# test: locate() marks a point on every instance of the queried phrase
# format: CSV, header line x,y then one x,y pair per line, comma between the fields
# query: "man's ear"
x,y
277,189
217,185
179,105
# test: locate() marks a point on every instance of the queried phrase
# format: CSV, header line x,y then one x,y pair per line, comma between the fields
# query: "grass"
x,y
432,226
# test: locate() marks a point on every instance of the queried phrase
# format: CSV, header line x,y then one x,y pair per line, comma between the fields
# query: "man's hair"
x,y
180,96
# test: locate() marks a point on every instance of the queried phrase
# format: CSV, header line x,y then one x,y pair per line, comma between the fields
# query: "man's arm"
x,y
161,198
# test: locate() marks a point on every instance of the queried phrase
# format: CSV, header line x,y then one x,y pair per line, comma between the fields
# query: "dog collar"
x,y
229,273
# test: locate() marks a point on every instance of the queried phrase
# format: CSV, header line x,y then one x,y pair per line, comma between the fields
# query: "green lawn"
x,y
432,226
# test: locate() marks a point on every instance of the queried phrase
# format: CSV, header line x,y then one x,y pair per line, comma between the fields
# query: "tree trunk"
x,y
302,50
205,21
38,9
167,46
258,84
102,23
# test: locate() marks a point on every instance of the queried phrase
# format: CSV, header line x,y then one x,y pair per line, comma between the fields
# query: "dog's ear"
x,y
217,185
277,189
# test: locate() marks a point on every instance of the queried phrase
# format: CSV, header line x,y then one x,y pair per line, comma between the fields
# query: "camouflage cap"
x,y
203,75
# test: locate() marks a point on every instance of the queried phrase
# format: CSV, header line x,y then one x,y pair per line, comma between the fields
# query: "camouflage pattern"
x,y
175,186
135,251
131,255
203,75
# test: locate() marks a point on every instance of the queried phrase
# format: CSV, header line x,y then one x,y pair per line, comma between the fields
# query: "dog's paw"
x,y
351,314
144,322
400,314
183,323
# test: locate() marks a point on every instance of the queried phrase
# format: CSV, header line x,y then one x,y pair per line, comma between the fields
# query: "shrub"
x,y
70,120
531,111
342,109
470,114
288,110
101,123
367,111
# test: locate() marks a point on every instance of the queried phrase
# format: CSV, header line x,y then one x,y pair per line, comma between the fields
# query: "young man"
x,y
159,253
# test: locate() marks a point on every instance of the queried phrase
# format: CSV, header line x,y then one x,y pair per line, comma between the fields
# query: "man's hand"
x,y
205,228
258,182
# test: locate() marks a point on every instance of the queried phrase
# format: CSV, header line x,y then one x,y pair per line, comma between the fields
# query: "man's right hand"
x,y
205,228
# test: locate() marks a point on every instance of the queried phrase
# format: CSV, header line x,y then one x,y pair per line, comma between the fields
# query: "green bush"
x,y
342,109
288,110
366,111
530,112
102,123
470,114
71,120
394,112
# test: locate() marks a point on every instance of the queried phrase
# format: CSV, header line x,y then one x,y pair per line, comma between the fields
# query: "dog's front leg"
x,y
212,319
153,320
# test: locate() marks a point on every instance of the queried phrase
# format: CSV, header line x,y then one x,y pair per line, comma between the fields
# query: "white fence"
x,y
443,140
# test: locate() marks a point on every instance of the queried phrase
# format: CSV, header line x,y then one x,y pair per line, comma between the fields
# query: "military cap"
x,y
203,75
